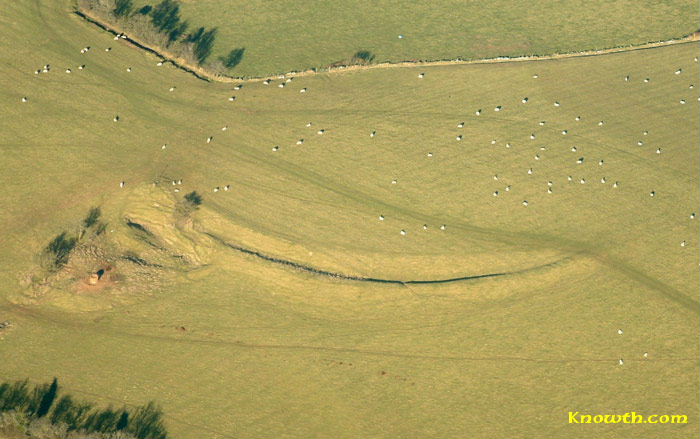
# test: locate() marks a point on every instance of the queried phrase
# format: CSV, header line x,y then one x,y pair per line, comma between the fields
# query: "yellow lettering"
x,y
572,418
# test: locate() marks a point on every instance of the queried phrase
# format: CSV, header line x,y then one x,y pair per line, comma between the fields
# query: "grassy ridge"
x,y
254,349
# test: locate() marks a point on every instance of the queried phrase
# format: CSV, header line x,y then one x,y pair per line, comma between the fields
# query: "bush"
x,y
193,198
123,8
59,250
363,57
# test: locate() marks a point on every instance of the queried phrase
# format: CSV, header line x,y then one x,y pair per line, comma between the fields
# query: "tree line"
x,y
162,25
45,404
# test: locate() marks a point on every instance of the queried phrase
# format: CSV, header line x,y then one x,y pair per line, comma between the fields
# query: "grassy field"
x,y
234,346
285,36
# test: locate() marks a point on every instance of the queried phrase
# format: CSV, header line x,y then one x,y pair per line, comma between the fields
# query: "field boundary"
x,y
205,75
317,271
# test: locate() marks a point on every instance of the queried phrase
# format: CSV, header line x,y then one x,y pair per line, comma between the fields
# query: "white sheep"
x,y
550,183
557,104
276,148
425,227
308,124
267,81
319,132
116,118
128,69
682,101
165,145
619,331
68,70
231,98
381,217
532,136
678,72
549,190
537,156
495,177
495,194
430,154
542,122
578,118
209,139
216,189
238,87
171,89
459,137
508,188
682,243
645,132
692,215
570,178
421,75
394,181
580,160
603,180
493,142
498,108
508,145
646,355
443,227
224,128
600,124
652,193
478,112
658,150
227,187
621,362
582,181
108,49
281,85
564,132
647,79
601,162
25,99
535,76
300,141
403,232
616,184
525,203
460,125
373,133
122,184
303,90
573,149
529,171
524,100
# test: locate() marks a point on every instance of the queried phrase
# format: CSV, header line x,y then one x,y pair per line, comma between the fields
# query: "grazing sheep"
x,y
173,182
209,139
373,133
425,227
430,154
582,181
535,76
603,180
159,63
600,124
652,193
640,143
495,194
549,190
543,148
280,85
542,122
570,178
81,67
232,98
227,187
288,80
619,331
381,217
267,81
122,184
682,243
394,181
128,69
319,132
238,87
300,141
508,145
578,118
573,149
460,125
691,86
498,108
165,145
478,112
621,362
692,215
443,227
580,160
646,355
493,142
400,37
495,177
303,90
275,148
403,232
25,99
529,171
525,203
647,79
459,137
421,75
68,70
645,132
658,150
171,89
508,188
179,181
216,189
550,183
224,128
524,100
678,72
176,190
564,132
682,101
557,104
601,162
627,78
532,136
116,118
537,156
616,184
